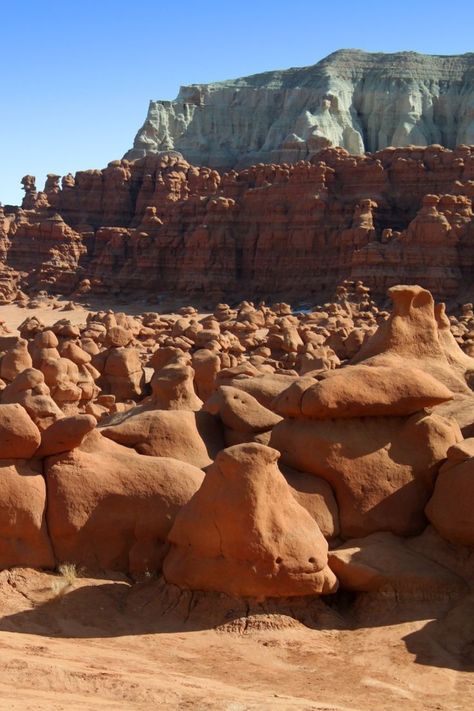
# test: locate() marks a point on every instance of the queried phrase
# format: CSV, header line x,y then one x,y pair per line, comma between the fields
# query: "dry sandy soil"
x,y
109,644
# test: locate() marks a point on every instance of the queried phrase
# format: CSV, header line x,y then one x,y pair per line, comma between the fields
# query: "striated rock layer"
x,y
358,100
291,231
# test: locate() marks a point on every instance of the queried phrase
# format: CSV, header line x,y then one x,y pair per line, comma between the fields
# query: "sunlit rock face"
x,y
357,100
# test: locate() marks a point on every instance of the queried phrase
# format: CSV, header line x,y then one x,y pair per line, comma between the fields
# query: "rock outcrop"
x,y
353,99
329,449
243,533
281,231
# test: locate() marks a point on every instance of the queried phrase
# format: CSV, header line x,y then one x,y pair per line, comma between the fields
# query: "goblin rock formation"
x,y
159,225
353,99
329,449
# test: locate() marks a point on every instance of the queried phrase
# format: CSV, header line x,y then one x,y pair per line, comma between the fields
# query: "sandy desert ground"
x,y
108,644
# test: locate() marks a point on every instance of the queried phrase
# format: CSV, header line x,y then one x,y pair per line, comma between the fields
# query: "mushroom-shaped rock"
x,y
30,390
412,333
24,537
15,360
19,436
111,508
240,411
243,533
364,391
172,388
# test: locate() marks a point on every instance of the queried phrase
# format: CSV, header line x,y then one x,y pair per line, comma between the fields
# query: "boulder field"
x,y
256,452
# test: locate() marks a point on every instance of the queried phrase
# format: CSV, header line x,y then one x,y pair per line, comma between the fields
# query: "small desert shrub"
x,y
68,573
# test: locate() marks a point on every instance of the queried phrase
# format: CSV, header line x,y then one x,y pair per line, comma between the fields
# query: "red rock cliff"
x,y
159,224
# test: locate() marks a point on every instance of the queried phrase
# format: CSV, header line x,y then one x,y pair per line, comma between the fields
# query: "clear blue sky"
x,y
77,75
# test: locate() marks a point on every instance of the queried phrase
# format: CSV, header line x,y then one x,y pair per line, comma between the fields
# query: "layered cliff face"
x,y
163,226
353,99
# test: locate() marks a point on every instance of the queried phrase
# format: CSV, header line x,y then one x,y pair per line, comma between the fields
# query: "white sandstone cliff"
x,y
360,101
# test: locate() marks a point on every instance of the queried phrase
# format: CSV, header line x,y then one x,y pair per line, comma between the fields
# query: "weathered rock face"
x,y
275,231
353,99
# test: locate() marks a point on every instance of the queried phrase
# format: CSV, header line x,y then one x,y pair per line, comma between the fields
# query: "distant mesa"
x,y
357,100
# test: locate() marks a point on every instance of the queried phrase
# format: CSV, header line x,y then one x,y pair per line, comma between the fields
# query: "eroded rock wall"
x,y
163,226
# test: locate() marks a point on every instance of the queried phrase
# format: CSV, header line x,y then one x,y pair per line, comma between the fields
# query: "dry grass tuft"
x,y
69,574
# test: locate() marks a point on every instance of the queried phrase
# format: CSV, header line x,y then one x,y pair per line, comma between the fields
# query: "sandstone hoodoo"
x,y
243,533
317,430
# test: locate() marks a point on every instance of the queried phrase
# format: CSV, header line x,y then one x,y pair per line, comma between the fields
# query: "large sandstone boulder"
x,y
263,388
193,437
243,533
382,469
451,507
363,391
122,372
110,508
240,411
24,537
316,496
16,359
243,418
30,390
383,562
172,388
65,434
19,436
